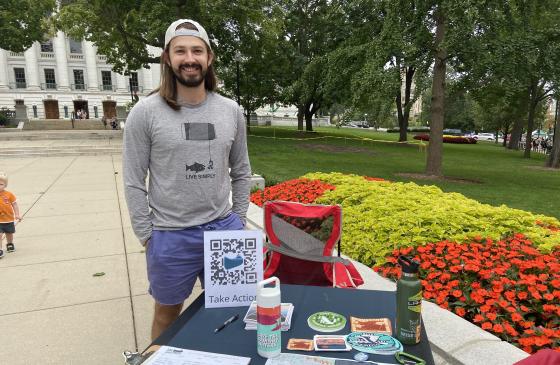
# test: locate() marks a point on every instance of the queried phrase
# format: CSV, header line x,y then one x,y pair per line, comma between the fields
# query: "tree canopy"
x,y
23,22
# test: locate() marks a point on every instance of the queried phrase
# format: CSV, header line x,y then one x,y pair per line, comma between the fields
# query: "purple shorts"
x,y
176,258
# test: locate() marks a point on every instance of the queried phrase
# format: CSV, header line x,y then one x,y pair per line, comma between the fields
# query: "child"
x,y
9,212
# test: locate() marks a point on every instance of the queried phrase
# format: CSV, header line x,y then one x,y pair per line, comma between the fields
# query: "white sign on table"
x,y
233,265
167,355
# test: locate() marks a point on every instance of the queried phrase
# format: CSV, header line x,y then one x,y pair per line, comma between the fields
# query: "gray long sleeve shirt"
x,y
195,157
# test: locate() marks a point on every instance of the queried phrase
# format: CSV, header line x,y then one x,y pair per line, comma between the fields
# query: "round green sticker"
x,y
326,321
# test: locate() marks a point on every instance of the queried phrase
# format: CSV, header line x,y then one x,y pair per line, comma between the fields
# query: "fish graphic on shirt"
x,y
196,167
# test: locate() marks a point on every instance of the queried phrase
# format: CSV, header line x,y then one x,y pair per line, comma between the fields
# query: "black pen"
x,y
228,321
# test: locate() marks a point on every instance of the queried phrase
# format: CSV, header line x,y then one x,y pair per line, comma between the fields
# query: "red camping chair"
x,y
300,245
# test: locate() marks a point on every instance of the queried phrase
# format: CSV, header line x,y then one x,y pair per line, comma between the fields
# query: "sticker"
x,y
374,343
326,322
375,325
300,344
330,343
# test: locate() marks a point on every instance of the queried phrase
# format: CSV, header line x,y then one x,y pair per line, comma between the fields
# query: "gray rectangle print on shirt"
x,y
199,131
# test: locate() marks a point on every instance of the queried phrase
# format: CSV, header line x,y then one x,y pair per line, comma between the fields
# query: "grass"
x,y
503,176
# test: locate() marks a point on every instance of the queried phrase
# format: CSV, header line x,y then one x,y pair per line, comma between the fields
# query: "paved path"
x,y
53,310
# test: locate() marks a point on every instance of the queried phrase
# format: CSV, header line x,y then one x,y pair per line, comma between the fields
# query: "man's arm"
x,y
240,172
136,160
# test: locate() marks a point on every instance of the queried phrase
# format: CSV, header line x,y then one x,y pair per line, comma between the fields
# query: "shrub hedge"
x,y
379,217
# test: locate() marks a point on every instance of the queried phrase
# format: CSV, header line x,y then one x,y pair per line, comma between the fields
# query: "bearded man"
x,y
192,141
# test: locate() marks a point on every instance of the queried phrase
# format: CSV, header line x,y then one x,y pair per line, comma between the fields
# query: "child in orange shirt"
x,y
9,212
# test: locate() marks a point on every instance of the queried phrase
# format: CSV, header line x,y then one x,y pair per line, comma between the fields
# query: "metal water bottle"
x,y
269,325
409,302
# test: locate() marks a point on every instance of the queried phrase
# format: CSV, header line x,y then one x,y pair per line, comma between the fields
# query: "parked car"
x,y
452,132
485,137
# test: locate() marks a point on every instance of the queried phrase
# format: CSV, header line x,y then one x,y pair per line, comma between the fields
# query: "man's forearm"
x,y
139,211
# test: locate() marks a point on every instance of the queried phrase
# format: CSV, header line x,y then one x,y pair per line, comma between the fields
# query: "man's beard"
x,y
190,81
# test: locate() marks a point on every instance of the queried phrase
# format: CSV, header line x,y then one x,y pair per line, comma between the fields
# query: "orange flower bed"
x,y
296,190
506,287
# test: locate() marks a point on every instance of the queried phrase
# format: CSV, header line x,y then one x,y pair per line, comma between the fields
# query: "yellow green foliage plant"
x,y
380,216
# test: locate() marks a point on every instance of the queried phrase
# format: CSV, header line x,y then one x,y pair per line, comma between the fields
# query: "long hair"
x,y
168,83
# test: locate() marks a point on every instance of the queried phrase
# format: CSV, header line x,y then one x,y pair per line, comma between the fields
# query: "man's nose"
x,y
189,56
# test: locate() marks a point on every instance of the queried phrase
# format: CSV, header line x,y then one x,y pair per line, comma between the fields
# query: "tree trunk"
x,y
403,111
308,122
506,131
400,117
435,147
530,122
516,134
300,113
248,120
554,158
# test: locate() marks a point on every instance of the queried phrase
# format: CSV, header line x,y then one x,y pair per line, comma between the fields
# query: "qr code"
x,y
233,261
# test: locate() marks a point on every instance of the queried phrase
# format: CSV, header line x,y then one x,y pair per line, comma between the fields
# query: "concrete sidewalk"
x,y
52,309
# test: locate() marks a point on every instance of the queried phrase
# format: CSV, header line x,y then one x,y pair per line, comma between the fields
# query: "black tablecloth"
x,y
194,329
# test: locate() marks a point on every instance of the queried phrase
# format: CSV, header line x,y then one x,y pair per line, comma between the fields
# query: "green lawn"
x,y
504,176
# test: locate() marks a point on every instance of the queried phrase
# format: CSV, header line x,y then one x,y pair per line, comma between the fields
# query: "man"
x,y
187,137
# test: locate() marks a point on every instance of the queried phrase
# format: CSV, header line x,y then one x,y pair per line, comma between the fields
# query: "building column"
x,y
32,68
59,44
90,53
147,79
122,83
4,81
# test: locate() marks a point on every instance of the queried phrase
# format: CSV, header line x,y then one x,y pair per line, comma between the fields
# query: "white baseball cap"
x,y
173,32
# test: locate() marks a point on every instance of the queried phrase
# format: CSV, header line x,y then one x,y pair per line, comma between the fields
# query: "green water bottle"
x,y
409,302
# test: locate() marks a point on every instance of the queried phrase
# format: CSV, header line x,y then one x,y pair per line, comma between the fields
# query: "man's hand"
x,y
18,218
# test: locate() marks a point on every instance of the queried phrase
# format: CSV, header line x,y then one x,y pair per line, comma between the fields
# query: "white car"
x,y
485,137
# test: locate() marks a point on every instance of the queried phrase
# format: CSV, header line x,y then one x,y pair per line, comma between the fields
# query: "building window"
x,y
133,81
66,111
47,46
35,115
106,80
75,46
50,80
95,112
79,83
19,74
19,102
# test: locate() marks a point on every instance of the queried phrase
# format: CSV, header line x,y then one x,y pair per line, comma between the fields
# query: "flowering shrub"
x,y
296,190
448,139
506,287
381,216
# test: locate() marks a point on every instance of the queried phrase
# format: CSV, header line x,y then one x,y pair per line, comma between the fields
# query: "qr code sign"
x,y
233,261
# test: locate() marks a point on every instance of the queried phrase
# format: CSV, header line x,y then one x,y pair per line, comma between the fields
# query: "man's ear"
x,y
210,58
166,58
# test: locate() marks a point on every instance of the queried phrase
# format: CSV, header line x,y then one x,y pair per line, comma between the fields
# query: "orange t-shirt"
x,y
7,214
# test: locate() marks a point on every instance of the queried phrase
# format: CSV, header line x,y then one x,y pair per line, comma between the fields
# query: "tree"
x,y
311,29
261,66
24,22
525,41
123,29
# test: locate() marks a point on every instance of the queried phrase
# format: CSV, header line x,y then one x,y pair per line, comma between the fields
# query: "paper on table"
x,y
295,359
167,355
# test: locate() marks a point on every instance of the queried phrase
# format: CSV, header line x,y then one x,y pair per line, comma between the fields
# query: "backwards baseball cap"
x,y
173,32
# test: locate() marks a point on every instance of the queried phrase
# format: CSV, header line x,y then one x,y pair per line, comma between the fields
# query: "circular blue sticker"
x,y
374,343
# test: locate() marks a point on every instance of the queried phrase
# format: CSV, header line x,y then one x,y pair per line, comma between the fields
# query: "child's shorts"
x,y
7,227
176,258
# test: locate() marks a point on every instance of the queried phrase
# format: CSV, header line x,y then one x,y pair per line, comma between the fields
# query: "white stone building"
x,y
53,79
